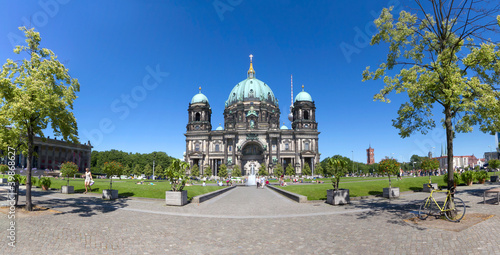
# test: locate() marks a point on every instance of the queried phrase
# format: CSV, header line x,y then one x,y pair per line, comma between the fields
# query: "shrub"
x,y
4,169
222,171
467,177
45,182
176,174
110,169
236,171
68,169
481,176
388,167
339,169
456,178
15,178
34,180
195,170
22,180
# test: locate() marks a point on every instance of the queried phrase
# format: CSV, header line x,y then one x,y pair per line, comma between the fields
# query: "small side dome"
x,y
199,98
219,128
284,127
303,96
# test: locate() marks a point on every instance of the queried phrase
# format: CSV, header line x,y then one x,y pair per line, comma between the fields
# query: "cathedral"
x,y
251,134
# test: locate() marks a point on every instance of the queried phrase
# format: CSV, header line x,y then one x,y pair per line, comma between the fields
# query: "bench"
x,y
495,190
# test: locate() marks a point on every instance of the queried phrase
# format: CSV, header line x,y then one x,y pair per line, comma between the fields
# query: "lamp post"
x,y
352,159
154,158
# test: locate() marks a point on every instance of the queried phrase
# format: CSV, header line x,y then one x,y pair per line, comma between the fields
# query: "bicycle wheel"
x,y
456,210
426,208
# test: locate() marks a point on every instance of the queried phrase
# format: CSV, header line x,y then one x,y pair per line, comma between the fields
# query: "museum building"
x,y
251,134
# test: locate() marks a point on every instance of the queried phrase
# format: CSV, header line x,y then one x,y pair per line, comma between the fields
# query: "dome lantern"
x,y
251,72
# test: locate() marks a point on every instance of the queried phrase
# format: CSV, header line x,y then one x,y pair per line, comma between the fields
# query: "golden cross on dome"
x,y
251,56
200,89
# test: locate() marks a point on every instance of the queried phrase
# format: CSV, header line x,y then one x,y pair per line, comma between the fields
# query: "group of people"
x,y
261,182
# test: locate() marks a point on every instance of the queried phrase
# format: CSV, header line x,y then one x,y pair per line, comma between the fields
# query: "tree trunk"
x,y
29,205
449,143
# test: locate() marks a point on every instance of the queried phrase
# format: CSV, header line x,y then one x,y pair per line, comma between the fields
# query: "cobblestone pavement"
x,y
246,220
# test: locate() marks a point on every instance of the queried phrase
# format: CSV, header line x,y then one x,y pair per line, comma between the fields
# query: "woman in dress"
x,y
88,179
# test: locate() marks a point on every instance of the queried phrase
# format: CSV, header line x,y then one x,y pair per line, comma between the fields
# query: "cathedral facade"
x,y
251,134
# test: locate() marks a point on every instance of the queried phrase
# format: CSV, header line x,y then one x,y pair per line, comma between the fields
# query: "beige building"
x,y
52,152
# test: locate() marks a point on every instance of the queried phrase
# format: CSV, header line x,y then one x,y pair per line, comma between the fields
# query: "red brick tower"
x,y
370,156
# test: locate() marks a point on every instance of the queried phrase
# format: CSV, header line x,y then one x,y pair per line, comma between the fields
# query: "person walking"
x,y
258,181
88,179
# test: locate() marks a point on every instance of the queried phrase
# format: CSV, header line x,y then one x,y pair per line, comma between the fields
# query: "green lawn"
x,y
363,186
129,188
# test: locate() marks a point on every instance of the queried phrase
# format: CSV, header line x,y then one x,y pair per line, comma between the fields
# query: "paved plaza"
x,y
246,220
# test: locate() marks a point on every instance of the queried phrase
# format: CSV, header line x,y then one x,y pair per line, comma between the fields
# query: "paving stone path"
x,y
246,220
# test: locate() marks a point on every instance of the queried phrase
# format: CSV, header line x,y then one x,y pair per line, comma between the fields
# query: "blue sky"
x,y
139,63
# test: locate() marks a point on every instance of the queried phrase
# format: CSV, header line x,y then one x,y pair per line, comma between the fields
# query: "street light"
x,y
352,159
154,158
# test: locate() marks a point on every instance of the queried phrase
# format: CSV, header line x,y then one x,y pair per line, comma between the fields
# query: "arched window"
x,y
197,117
306,115
197,147
216,147
306,146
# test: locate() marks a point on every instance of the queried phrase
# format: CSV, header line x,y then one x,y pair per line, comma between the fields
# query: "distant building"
x,y
490,155
52,152
459,161
370,156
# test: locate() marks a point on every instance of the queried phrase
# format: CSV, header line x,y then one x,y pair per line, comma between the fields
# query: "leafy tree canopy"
x,y
443,59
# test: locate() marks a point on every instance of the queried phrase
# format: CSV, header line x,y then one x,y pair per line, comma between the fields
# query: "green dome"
x,y
219,128
284,127
251,89
199,98
303,96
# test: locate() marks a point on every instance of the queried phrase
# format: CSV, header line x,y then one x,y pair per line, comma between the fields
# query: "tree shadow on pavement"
x,y
83,206
396,211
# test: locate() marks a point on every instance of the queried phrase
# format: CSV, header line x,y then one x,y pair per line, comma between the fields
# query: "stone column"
x,y
46,165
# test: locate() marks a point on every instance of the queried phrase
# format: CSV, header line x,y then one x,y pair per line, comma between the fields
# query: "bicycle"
x,y
453,207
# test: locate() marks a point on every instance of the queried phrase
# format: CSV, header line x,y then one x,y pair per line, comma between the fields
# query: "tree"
x,y
111,169
137,170
207,172
306,170
127,170
68,169
159,171
263,170
388,166
290,170
278,170
416,161
175,173
33,93
236,171
429,165
493,164
148,170
319,169
340,167
223,171
443,60
195,170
